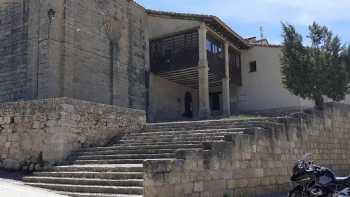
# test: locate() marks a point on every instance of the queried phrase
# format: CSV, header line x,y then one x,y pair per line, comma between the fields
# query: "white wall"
x,y
263,89
347,100
167,100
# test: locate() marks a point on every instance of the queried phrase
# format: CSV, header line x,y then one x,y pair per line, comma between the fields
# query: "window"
x,y
252,67
214,47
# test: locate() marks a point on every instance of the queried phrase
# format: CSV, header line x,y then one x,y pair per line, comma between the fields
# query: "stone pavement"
x,y
277,195
10,188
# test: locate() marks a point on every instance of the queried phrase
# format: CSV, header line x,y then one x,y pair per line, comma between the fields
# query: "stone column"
x,y
203,69
226,84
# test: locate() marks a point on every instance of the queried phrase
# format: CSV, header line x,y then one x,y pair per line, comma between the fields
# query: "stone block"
x,y
188,188
10,164
198,187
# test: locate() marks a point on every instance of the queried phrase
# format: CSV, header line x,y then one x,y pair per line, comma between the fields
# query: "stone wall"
x,y
54,128
104,52
90,50
256,163
14,74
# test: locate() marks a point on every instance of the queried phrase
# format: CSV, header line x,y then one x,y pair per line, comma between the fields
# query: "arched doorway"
x,y
188,105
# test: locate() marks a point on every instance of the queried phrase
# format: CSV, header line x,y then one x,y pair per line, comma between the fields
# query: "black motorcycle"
x,y
315,181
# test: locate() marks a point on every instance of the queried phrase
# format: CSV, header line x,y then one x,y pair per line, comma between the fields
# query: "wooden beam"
x,y
189,75
193,81
165,36
188,80
179,74
191,78
178,71
184,72
222,38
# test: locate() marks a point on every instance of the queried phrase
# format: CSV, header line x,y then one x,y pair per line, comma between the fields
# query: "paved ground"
x,y
11,186
277,195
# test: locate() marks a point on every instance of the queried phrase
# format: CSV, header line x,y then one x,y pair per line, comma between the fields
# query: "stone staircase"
x,y
117,170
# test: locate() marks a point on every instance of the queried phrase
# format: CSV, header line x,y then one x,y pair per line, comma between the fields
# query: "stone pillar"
x,y
203,69
226,109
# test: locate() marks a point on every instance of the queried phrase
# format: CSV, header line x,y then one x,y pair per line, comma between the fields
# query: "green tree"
x,y
314,71
346,59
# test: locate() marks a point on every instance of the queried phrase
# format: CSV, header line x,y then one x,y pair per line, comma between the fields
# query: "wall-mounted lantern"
x,y
51,14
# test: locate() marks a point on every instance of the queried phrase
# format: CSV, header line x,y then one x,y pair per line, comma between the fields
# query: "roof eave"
x,y
244,42
202,18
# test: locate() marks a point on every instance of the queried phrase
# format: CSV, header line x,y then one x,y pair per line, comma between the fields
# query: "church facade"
x,y
175,66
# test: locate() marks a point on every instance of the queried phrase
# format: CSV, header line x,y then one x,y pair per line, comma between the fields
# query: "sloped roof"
x,y
213,21
266,46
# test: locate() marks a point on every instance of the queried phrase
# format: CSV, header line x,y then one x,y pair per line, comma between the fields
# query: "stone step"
x,y
208,122
195,128
110,161
168,129
174,139
99,168
137,151
168,143
92,175
188,132
117,170
126,156
84,181
195,124
143,147
75,194
89,188
184,136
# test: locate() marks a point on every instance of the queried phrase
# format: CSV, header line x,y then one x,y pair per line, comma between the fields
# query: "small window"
x,y
252,67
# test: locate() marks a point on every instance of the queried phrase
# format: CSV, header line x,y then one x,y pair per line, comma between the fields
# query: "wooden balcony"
x,y
176,52
175,57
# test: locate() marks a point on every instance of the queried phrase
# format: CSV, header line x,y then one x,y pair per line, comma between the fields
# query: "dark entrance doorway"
x,y
188,105
215,101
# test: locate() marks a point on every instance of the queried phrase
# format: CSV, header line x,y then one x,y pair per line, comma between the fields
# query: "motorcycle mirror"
x,y
307,157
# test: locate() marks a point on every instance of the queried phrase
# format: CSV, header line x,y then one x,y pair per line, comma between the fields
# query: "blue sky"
x,y
246,16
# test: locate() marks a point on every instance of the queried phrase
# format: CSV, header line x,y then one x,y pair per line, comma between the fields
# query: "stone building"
x,y
201,68
174,66
77,76
195,64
